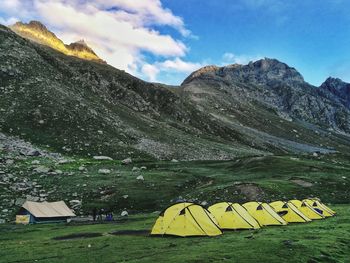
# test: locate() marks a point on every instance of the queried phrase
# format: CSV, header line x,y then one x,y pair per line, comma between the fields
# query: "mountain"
x,y
273,84
336,90
38,32
86,108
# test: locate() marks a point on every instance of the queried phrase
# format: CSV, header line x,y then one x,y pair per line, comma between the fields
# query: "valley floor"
x,y
318,241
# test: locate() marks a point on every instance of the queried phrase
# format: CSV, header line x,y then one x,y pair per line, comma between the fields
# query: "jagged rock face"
x,y
37,32
274,84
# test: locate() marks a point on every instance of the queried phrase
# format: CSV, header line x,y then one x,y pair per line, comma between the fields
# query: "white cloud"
x,y
8,21
150,71
176,65
230,58
119,31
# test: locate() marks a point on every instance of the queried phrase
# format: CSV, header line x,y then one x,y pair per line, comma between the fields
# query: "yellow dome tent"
x,y
232,216
186,219
320,207
306,209
289,212
264,214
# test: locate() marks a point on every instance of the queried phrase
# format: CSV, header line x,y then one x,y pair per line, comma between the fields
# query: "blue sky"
x,y
165,40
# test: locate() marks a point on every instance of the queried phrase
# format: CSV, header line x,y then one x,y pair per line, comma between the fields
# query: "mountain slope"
x,y
268,96
87,108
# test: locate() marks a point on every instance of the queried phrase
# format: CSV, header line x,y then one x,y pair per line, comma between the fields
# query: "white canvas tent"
x,y
43,212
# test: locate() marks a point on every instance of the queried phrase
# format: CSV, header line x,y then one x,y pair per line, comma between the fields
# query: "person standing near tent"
x,y
94,213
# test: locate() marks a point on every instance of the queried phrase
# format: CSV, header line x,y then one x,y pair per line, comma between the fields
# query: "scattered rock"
x,y
127,161
174,161
82,168
135,169
102,158
143,168
63,161
302,183
124,213
140,177
10,161
34,153
104,171
125,196
42,169
35,162
75,204
19,201
32,198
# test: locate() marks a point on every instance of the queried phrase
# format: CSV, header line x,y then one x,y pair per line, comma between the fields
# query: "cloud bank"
x,y
122,32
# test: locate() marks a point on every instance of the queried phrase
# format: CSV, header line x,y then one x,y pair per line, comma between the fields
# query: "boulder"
x,y
124,213
34,153
42,169
127,161
104,171
140,178
102,158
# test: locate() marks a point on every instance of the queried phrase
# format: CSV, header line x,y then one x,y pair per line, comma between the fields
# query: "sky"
x,y
165,40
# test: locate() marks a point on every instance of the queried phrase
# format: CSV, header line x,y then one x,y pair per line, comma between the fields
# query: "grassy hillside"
x,y
147,186
318,241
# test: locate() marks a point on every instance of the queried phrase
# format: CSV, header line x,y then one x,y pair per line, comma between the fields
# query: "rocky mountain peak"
x,y
334,83
37,25
336,89
38,32
263,71
81,46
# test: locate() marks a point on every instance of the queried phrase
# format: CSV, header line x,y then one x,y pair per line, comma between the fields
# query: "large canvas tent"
x,y
233,216
264,214
289,212
186,219
44,212
307,209
320,207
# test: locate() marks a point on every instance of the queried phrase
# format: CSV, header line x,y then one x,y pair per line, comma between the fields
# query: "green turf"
x,y
318,241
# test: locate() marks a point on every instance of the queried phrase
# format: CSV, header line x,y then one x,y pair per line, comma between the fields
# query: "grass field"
x,y
243,179
325,240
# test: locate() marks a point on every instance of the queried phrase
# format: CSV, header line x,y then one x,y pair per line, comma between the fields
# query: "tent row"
x,y
189,219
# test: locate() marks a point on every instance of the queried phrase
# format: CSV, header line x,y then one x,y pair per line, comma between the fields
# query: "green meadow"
x,y
325,240
240,180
